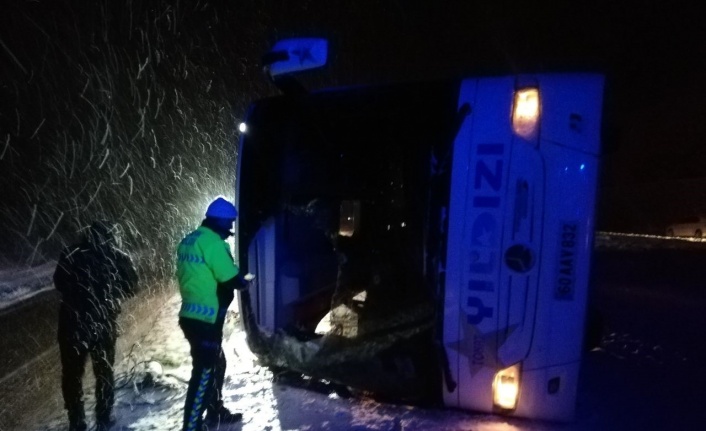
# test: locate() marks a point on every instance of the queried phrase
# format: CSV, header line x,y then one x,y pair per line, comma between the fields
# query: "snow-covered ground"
x,y
614,393
18,284
153,380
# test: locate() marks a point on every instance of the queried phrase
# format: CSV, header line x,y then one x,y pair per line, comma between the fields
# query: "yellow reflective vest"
x,y
203,261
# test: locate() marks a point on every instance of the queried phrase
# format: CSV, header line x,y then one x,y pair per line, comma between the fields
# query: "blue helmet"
x,y
221,208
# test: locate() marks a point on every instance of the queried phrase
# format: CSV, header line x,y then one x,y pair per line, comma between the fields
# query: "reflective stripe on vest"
x,y
197,309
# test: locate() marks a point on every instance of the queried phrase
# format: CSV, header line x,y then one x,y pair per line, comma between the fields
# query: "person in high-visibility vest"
x,y
208,278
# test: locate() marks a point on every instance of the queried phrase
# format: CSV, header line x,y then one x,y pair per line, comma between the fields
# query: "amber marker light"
x,y
525,112
506,387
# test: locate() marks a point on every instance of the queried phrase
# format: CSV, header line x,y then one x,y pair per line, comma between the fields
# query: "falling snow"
x,y
131,123
137,122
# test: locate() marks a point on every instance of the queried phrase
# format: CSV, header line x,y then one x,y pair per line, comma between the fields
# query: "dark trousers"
x,y
74,352
207,373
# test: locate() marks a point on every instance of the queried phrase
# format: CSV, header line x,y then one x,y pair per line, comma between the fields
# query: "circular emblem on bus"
x,y
519,258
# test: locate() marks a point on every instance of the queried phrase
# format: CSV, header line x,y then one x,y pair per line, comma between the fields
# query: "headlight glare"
x,y
525,112
506,387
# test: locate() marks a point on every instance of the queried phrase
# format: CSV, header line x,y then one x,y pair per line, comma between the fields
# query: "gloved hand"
x,y
244,281
239,282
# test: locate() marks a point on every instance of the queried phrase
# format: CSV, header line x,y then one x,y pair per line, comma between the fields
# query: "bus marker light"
x,y
525,112
506,387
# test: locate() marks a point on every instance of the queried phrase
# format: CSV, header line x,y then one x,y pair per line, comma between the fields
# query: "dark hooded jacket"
x,y
94,277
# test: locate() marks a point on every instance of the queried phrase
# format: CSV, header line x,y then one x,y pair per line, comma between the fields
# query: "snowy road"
x,y
29,330
29,360
646,375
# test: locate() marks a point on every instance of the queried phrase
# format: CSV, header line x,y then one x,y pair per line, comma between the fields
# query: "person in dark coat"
x,y
94,277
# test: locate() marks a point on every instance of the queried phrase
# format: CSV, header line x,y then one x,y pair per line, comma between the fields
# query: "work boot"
x,y
78,426
105,424
77,418
104,421
221,416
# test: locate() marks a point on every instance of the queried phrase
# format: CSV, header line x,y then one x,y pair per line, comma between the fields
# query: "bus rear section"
x,y
520,235
336,214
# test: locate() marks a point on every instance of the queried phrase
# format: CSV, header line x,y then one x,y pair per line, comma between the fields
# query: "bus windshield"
x,y
351,182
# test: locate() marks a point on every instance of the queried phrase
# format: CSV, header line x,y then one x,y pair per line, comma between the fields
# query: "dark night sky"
x,y
652,52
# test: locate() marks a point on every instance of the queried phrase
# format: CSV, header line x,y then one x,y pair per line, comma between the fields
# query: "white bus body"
x,y
512,216
520,240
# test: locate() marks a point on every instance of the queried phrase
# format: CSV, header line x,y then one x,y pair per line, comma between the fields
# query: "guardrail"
x,y
630,241
21,283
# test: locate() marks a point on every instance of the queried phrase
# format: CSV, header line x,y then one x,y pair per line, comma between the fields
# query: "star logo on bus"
x,y
484,237
481,349
304,54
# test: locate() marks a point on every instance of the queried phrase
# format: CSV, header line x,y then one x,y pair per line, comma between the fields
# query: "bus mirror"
x,y
295,55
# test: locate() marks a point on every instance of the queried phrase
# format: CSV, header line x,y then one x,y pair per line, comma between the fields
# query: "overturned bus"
x,y
424,242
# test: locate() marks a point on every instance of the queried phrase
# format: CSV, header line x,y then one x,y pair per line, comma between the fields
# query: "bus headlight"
x,y
506,387
525,112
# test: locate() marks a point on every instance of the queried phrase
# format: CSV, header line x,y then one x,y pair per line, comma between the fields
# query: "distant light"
x,y
349,218
583,166
243,127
